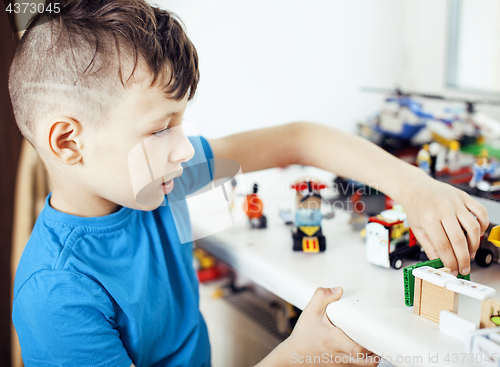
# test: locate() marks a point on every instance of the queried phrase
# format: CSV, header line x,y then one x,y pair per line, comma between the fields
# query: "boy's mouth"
x,y
167,186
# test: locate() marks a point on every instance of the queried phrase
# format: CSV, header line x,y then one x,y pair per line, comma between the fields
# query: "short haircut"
x,y
75,61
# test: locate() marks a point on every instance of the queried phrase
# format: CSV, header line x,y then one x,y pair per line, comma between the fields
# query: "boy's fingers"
x,y
426,243
441,244
473,229
459,244
480,212
321,298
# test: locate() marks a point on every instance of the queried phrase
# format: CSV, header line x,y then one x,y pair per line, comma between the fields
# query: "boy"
x,y
104,280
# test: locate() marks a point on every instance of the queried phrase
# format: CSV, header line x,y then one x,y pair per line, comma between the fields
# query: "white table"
x,y
372,309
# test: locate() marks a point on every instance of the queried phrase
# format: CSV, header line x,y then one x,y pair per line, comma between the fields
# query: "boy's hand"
x,y
438,215
315,336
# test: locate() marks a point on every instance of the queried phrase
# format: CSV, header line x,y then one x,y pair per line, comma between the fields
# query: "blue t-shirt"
x,y
112,290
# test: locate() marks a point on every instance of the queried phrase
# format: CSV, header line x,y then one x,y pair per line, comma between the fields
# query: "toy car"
x,y
307,235
489,248
389,240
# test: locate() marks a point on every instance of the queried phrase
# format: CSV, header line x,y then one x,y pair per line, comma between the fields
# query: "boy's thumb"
x,y
322,297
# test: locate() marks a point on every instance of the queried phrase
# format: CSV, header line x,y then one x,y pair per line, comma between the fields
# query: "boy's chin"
x,y
147,208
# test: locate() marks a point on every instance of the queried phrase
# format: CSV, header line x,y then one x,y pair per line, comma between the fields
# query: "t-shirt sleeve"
x,y
66,319
197,172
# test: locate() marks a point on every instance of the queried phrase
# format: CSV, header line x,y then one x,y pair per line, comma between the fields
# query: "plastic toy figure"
x,y
424,159
307,234
480,169
253,208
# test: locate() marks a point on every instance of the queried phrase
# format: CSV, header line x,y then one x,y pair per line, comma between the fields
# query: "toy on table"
x,y
480,169
489,248
253,208
207,267
434,292
389,239
424,159
306,233
362,201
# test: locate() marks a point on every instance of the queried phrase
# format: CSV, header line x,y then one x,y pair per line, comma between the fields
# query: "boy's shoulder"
x,y
56,242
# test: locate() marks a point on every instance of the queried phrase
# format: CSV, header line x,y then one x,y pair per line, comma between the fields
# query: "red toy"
x,y
253,208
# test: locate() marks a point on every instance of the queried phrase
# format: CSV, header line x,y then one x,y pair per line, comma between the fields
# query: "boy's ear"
x,y
64,140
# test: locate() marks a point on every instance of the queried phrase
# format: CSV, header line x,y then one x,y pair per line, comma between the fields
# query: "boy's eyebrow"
x,y
161,119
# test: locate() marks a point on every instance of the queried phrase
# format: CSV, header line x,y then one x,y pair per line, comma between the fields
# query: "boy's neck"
x,y
82,204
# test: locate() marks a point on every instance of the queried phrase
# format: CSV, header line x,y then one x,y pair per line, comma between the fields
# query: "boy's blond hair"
x,y
78,61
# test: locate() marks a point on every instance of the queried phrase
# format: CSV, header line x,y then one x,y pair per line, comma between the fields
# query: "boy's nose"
x,y
183,151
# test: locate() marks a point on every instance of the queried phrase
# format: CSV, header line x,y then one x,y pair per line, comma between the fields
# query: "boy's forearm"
x,y
260,149
320,146
353,157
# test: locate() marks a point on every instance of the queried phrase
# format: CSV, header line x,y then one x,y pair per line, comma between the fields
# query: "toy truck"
x,y
389,240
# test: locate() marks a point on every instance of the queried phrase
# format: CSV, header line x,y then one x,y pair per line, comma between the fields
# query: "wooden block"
x,y
417,294
435,299
445,269
489,309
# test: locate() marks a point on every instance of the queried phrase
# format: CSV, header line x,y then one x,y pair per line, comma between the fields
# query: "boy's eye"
x,y
161,132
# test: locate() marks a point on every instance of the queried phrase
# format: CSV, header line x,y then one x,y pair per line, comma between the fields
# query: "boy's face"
x,y
111,167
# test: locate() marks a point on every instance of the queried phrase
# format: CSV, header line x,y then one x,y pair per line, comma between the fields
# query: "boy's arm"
x,y
437,212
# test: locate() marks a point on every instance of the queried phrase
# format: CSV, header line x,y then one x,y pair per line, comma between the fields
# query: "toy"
x,y
433,292
489,249
389,240
480,169
306,233
430,295
253,208
409,279
490,313
453,325
361,200
207,268
397,128
424,159
437,290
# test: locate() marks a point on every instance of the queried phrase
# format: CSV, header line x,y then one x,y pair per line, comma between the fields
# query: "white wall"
x,y
425,53
265,63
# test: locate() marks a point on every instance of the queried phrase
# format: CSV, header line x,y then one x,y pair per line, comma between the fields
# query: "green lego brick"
x,y
477,149
409,279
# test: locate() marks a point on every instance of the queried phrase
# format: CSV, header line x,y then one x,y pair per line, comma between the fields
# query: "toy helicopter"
x,y
403,118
